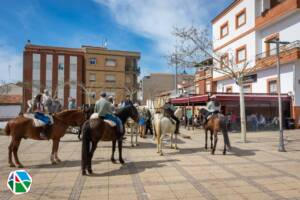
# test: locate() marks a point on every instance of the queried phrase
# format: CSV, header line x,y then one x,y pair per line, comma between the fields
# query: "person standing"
x,y
71,104
148,122
127,102
142,122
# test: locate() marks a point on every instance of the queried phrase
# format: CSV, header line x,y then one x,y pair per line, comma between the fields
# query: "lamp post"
x,y
278,43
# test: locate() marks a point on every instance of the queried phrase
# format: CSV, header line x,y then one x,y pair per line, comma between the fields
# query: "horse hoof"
x,y
224,153
176,148
20,166
90,171
53,162
12,165
172,147
113,160
161,154
212,153
132,145
58,160
121,161
83,173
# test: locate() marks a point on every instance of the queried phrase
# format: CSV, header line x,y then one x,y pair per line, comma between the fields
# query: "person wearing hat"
x,y
212,107
104,110
127,102
169,110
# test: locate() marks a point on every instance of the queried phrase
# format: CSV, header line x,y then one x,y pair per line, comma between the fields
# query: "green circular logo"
x,y
19,181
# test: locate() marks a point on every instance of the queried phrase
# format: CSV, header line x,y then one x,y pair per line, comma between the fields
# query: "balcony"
x,y
276,12
132,69
288,53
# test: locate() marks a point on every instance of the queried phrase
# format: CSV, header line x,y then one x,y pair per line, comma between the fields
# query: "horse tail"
x,y
85,132
7,129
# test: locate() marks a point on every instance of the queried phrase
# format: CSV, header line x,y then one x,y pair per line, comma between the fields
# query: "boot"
x,y
177,128
45,133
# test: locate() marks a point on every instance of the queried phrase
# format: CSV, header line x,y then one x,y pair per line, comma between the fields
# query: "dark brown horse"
x,y
94,130
22,127
216,123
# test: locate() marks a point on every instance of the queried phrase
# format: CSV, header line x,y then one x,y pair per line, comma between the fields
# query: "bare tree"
x,y
196,45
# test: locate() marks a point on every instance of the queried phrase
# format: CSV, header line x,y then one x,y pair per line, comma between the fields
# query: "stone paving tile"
x,y
254,170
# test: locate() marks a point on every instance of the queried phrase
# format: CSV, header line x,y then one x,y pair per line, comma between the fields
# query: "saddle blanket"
x,y
96,116
37,122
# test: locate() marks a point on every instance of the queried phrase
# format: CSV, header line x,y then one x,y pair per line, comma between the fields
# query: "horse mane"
x,y
66,112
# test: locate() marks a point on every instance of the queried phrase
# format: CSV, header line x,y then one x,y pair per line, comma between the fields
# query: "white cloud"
x,y
10,64
155,19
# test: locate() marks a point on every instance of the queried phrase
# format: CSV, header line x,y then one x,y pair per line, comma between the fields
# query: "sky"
x,y
136,25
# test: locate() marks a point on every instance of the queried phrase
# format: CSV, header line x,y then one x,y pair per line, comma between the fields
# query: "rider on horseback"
x,y
169,110
212,107
39,110
104,110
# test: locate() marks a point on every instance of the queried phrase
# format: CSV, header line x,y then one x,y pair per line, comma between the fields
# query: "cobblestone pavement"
x,y
254,170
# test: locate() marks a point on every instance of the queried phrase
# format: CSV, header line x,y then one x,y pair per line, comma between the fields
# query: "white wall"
x,y
260,86
9,111
288,29
230,17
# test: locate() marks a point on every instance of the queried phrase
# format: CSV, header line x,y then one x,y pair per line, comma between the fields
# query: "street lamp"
x,y
278,43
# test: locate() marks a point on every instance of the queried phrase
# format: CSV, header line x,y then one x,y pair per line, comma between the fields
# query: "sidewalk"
x,y
254,170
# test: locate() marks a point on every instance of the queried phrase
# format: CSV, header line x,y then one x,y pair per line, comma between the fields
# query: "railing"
x,y
282,49
133,69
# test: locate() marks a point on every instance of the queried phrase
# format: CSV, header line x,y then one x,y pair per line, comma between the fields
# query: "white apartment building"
x,y
240,32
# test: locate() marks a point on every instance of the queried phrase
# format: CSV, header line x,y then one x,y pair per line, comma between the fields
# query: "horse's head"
x,y
72,117
178,113
133,113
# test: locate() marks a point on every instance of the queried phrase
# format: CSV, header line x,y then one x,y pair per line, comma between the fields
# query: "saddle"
x,y
37,122
109,122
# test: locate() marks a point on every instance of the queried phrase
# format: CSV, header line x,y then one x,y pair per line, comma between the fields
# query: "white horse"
x,y
163,126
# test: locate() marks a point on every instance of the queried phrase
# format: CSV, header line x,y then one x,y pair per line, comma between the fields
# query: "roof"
x,y
226,10
10,99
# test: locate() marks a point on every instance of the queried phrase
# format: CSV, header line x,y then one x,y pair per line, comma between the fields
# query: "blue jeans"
x,y
42,117
115,120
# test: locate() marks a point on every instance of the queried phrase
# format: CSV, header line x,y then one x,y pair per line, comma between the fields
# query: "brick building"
x,y
80,73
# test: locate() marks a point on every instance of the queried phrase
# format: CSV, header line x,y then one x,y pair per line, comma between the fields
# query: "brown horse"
x,y
215,124
94,130
22,127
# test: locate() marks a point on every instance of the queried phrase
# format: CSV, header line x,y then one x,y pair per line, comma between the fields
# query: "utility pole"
x,y
281,147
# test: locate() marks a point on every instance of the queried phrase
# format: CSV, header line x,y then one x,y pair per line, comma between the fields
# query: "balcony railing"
x,y
276,12
282,49
133,69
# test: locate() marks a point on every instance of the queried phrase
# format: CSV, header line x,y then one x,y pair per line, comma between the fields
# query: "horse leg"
x,y
131,135
10,150
176,141
211,140
120,145
224,151
205,139
215,143
113,151
90,157
161,144
15,148
171,140
79,133
136,137
54,148
56,152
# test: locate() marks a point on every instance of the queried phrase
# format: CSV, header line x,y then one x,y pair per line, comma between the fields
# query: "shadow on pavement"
x,y
134,168
243,152
63,164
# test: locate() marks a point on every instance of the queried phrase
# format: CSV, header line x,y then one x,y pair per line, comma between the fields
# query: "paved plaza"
x,y
254,170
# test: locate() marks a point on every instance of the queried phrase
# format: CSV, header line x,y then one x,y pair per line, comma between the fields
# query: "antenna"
x,y
105,43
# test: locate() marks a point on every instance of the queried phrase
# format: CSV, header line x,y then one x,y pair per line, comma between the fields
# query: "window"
x,y
224,30
224,60
241,54
247,88
271,48
92,77
208,86
93,61
110,78
272,86
240,19
110,62
229,89
49,66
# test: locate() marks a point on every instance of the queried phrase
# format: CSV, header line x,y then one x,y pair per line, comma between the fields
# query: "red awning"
x,y
193,99
251,97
